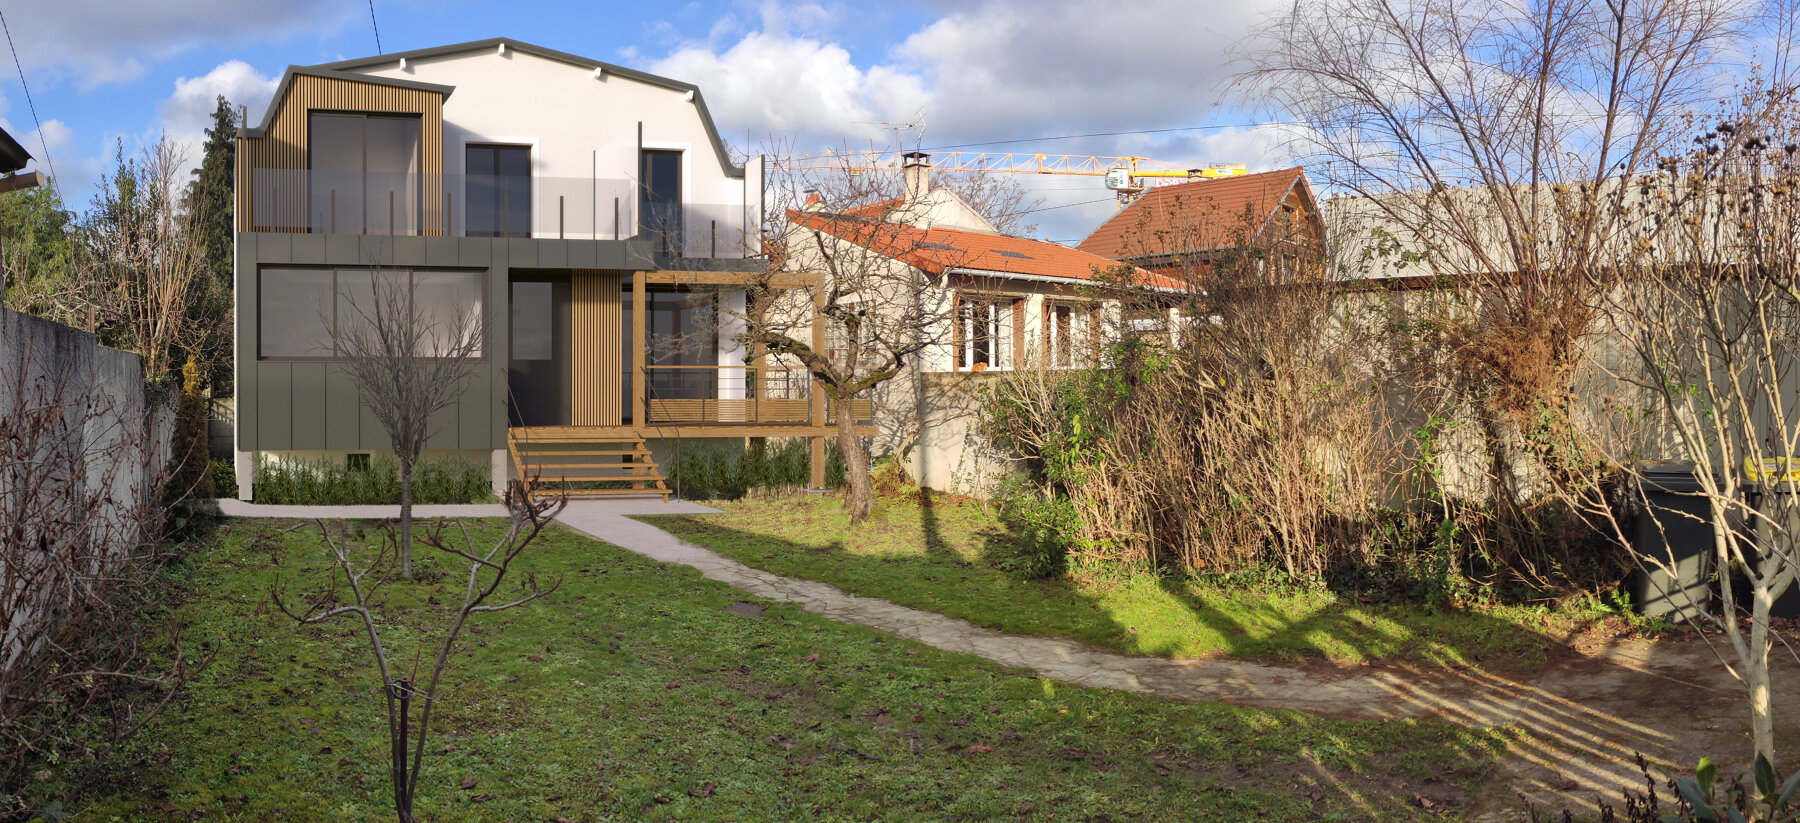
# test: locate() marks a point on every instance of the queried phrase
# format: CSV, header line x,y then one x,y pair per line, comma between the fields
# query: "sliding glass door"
x,y
364,174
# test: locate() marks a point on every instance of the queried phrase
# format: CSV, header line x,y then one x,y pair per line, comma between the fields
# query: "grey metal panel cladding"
x,y
474,412
583,255
521,253
275,405
278,247
441,251
352,250
374,437
312,405
309,405
475,251
244,354
343,411
553,254
408,251
308,248
444,429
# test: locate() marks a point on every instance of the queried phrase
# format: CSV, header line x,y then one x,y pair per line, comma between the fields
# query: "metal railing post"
x,y
561,216
715,238
334,211
615,218
390,212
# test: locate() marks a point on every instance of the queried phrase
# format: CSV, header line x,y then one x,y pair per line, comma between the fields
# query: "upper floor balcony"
x,y
478,205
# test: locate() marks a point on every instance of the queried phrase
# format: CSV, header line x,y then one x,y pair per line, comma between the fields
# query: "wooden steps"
x,y
585,462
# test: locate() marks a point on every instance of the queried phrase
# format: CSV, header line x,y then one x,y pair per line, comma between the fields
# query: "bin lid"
x,y
1670,476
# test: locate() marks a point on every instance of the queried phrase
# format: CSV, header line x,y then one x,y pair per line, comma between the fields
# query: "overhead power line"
x,y
376,26
1071,205
1104,134
43,140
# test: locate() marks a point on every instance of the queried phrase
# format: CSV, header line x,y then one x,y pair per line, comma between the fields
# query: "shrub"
x,y
1042,527
327,482
224,478
729,469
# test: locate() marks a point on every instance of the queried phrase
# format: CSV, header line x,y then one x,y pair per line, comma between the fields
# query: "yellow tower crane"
x,y
1126,176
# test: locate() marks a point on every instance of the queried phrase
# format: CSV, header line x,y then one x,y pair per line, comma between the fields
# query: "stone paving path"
x,y
1578,720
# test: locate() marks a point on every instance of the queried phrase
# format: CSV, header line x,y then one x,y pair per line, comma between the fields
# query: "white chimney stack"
x,y
915,168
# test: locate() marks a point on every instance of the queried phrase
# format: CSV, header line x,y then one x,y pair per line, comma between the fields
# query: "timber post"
x,y
818,390
639,316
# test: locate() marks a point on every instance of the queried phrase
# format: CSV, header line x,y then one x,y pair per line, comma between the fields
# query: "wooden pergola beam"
x,y
779,280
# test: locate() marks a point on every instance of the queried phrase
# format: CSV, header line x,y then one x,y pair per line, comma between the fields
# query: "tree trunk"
x,y
406,482
860,493
1756,673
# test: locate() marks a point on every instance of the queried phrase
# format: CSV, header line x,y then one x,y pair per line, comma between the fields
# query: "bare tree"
x,y
882,310
1486,140
1706,312
409,360
487,570
140,267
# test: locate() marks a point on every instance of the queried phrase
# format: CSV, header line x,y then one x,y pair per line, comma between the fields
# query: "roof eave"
x,y
287,83
12,155
1051,278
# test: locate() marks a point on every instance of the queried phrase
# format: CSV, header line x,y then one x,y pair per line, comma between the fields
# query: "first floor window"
x,y
302,312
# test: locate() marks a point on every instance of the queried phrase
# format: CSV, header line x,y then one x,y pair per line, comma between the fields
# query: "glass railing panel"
x,y
352,202
322,201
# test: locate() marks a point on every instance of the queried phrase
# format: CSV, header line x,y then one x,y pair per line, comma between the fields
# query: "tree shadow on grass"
x,y
1574,724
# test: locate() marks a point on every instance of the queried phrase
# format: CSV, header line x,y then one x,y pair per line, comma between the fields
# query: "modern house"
x,y
1181,230
990,304
588,214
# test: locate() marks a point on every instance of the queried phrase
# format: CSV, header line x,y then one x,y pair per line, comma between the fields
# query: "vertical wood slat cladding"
x,y
595,363
284,145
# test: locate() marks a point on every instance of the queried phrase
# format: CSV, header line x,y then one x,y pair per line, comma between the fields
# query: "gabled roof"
x,y
954,250
1199,216
349,67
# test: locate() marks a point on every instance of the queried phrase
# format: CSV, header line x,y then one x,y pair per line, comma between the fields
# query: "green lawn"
x,y
931,557
632,694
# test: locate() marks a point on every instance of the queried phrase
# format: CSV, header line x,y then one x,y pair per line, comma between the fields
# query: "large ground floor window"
x,y
302,312
984,333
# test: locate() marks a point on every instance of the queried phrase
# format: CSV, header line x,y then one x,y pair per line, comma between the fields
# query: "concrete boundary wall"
x,y
106,454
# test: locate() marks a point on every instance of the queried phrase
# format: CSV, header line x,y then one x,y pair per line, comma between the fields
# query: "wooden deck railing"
x,y
734,396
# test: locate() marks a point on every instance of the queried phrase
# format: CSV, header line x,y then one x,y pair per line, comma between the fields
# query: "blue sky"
x,y
810,75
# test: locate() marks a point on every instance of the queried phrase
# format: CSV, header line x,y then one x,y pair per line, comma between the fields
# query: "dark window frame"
x,y
487,321
418,173
530,188
667,240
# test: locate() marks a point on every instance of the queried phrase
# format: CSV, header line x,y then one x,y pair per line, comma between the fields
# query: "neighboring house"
x,y
1182,230
13,157
577,206
996,304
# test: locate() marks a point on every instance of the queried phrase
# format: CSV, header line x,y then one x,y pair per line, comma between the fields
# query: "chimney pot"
x,y
813,201
915,169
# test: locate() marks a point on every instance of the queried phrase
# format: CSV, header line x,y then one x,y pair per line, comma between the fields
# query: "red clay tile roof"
x,y
1186,217
936,250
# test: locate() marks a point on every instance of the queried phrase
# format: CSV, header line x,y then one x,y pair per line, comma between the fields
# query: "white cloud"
x,y
777,84
95,42
185,115
995,70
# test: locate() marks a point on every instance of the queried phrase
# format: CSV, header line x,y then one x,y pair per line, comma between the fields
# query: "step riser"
x,y
557,458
